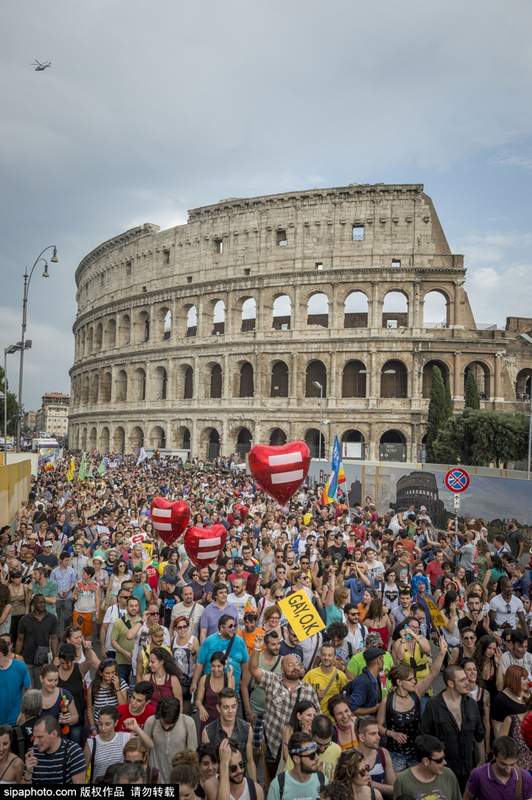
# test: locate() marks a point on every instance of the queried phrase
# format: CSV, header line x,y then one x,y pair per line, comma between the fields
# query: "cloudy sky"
x,y
151,108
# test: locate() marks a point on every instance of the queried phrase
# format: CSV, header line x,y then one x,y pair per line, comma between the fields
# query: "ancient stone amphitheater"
x,y
296,315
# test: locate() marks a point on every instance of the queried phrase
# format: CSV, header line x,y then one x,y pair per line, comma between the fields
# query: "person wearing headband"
x,y
304,781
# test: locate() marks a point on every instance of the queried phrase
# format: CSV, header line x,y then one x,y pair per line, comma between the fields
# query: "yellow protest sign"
x,y
437,617
302,615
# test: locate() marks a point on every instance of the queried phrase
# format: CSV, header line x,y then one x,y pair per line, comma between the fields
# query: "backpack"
x,y
281,779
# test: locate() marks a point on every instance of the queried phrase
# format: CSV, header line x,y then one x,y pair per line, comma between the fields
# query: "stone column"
x,y
227,388
375,308
332,389
197,388
458,377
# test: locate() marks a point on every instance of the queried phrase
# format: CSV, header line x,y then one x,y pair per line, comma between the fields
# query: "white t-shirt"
x,y
241,602
506,612
508,660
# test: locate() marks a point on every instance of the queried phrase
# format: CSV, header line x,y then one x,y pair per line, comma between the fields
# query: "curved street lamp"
x,y
27,279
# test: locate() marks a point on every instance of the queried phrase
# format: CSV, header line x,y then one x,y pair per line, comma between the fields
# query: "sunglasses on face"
x,y
438,760
362,772
181,627
236,767
313,755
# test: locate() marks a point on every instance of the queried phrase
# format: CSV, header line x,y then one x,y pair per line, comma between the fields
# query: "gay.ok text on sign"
x,y
302,615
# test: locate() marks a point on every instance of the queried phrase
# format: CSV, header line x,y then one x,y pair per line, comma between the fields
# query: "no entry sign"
x,y
457,480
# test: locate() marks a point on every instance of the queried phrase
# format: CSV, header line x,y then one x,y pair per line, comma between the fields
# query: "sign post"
x,y
457,480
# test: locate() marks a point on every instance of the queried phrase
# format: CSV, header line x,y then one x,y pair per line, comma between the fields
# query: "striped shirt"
x,y
106,696
61,766
107,753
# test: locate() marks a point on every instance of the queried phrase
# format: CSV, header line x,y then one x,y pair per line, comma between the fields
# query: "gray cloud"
x,y
150,109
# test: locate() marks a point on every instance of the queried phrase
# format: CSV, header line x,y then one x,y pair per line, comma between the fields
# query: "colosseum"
x,y
295,315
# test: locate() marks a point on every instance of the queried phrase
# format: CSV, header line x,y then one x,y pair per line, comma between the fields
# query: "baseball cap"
x,y
374,639
373,653
48,543
140,569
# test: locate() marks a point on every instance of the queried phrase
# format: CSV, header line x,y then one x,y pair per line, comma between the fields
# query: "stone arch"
x,y
354,381
124,330
104,440
218,318
142,326
164,323
110,333
248,315
481,373
356,310
160,384
246,387
119,440
282,312
316,372
105,386
395,309
394,379
94,388
84,439
392,446
183,437
82,342
136,438
316,442
93,438
436,309
277,437
90,341
121,386
318,309
139,384
186,389
523,384
215,382
279,379
210,443
427,375
157,438
98,337
192,321
85,389
353,444
244,439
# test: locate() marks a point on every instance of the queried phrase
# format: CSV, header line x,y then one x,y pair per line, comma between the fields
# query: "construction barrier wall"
x,y
15,484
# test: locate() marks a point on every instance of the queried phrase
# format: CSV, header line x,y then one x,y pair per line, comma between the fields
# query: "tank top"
x,y
210,700
17,600
383,632
406,722
378,770
417,660
161,690
74,684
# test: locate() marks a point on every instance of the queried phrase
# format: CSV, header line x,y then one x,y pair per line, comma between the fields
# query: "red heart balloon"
x,y
280,471
241,510
204,545
169,519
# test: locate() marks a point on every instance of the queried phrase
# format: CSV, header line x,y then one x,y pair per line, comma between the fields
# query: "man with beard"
x,y
304,781
233,781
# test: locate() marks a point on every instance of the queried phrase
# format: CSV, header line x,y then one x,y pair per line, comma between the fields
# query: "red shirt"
x,y
433,571
152,577
125,713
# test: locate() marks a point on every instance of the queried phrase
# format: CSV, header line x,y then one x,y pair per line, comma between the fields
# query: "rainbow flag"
x,y
336,477
71,471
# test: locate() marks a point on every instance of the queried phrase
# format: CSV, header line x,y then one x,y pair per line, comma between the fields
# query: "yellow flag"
x,y
437,618
71,469
301,614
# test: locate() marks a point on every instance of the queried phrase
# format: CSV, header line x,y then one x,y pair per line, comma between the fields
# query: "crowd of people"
x,y
122,661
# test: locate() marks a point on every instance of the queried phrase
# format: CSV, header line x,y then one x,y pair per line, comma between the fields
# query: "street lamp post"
x,y
318,386
27,280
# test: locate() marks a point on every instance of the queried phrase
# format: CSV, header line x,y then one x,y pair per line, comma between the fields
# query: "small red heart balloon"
x,y
280,471
204,545
241,510
169,519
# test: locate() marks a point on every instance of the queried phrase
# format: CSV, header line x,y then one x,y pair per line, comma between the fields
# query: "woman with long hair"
x,y
107,746
11,766
120,573
164,675
171,732
487,659
451,615
155,639
411,648
481,697
5,609
512,727
300,722
210,686
399,714
56,702
185,647
513,698
19,599
493,575
379,621
352,772
107,689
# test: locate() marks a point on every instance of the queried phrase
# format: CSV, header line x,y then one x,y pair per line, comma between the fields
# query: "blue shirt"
x,y
237,656
66,579
13,681
366,691
357,589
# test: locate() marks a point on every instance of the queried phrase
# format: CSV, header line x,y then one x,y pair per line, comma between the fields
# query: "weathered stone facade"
x,y
227,329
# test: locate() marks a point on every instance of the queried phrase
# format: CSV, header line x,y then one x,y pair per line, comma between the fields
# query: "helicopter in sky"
x,y
40,66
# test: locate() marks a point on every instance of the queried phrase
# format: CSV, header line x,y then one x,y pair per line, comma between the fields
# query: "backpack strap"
x,y
281,778
519,795
321,778
93,758
251,789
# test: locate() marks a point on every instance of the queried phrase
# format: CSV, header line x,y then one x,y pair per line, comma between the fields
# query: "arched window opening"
x,y
316,379
140,384
104,440
395,310
213,445
353,444
394,379
481,375
246,388
121,387
249,315
523,385
427,375
119,440
142,327
277,437
124,330
354,379
216,382
160,384
392,446
106,387
92,439
218,318
282,313
316,443
243,442
356,310
279,380
158,438
183,438
99,337
188,383
192,321
111,333
318,310
167,324
435,310
136,438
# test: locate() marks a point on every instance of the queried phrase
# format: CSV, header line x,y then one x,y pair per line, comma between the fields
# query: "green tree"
x,y
12,408
472,397
481,438
438,411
